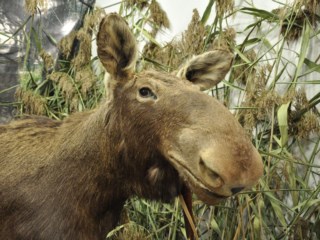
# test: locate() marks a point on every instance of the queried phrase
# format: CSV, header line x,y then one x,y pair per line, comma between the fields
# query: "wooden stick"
x,y
186,203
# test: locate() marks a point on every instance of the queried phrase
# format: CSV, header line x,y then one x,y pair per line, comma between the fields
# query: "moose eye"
x,y
147,93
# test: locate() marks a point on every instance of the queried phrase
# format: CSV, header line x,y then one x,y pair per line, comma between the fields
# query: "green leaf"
x,y
207,12
258,13
276,204
283,123
214,225
51,39
229,84
251,41
278,141
242,56
313,67
303,49
36,39
147,35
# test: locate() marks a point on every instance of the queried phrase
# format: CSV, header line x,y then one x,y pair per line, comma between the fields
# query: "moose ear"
x,y
208,69
117,47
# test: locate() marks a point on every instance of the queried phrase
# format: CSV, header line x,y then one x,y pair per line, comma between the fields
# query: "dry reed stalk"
x,y
33,5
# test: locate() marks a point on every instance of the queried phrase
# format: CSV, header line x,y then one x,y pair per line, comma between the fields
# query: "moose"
x,y
155,134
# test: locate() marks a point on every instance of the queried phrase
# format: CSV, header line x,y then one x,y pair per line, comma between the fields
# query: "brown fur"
x,y
70,179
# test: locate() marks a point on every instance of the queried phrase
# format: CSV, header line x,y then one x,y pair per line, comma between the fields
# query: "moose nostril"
x,y
209,175
236,190
208,171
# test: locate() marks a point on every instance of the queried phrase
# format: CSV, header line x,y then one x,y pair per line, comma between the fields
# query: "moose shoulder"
x,y
157,133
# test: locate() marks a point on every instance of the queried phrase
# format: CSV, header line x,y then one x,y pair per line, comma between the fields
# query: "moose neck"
x,y
90,151
110,162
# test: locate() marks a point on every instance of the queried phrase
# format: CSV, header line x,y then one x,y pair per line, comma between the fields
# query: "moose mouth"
x,y
195,184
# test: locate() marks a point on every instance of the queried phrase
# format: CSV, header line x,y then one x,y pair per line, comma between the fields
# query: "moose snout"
x,y
227,172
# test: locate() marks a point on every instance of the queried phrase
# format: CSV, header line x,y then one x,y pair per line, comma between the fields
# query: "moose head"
x,y
172,133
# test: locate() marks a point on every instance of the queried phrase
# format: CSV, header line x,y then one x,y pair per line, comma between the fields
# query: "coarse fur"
x,y
157,133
